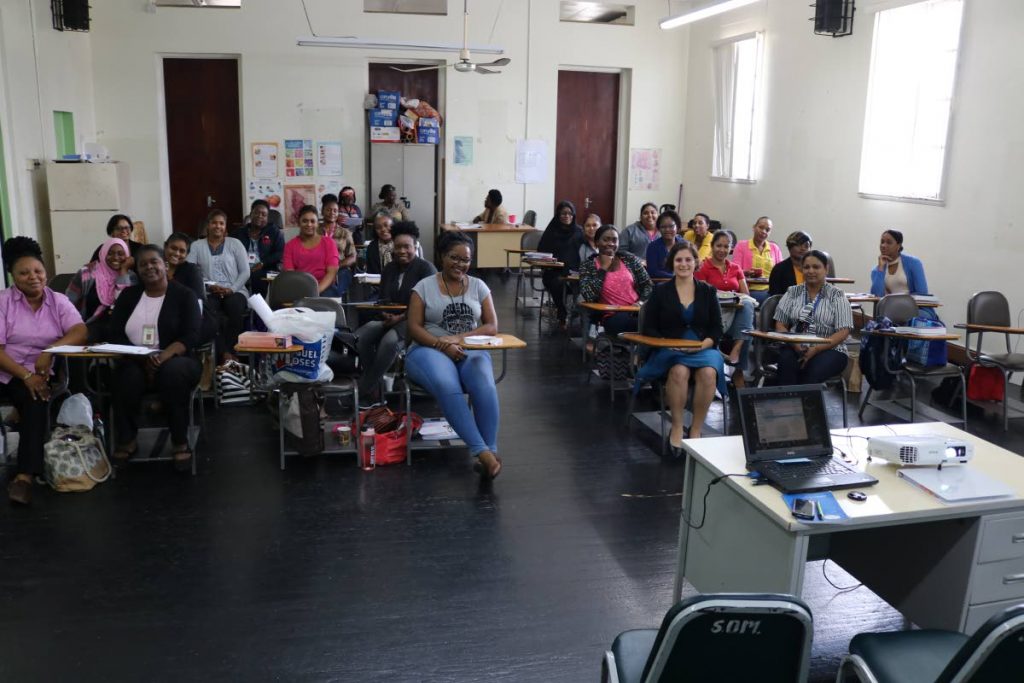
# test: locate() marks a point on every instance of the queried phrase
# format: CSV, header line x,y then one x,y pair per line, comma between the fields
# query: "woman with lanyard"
x,y
96,287
657,250
819,308
699,236
333,228
225,263
614,277
684,308
757,257
726,276
790,272
443,310
561,239
637,236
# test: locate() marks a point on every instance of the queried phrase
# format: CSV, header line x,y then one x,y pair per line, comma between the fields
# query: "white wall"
x,y
30,47
816,89
291,91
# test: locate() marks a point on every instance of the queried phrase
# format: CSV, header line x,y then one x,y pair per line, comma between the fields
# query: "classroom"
x,y
261,566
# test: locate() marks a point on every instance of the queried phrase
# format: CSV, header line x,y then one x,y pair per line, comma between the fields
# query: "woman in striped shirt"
x,y
819,308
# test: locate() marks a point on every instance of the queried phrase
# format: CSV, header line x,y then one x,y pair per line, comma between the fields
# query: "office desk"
x,y
491,242
942,565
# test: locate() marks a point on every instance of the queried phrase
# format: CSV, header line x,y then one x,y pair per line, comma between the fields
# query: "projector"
x,y
920,450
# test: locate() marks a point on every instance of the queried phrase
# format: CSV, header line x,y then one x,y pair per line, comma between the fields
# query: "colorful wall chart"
x,y
298,158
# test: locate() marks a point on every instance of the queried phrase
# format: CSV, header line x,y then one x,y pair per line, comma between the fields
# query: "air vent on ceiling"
x,y
613,13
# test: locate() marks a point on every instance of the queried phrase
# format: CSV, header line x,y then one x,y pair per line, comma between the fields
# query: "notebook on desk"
x,y
786,439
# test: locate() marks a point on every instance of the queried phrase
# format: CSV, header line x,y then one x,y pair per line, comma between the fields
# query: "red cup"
x,y
512,218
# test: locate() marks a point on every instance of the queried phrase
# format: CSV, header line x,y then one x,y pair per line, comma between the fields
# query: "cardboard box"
x,y
383,117
428,131
389,99
427,122
265,340
385,134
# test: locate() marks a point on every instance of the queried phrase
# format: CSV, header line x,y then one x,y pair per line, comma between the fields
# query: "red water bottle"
x,y
367,450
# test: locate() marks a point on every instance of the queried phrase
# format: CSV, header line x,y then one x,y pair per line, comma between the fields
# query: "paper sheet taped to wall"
x,y
531,161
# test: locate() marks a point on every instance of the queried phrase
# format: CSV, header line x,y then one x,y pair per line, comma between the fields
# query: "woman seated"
x,y
757,256
637,236
897,273
561,239
120,226
32,318
819,308
96,286
163,316
588,245
313,253
699,236
349,213
176,250
443,310
390,204
380,341
657,250
335,229
726,276
493,212
225,267
264,245
378,251
685,308
790,272
614,277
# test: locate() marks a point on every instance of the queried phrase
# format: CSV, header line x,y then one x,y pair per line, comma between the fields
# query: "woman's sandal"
x,y
125,452
488,472
183,465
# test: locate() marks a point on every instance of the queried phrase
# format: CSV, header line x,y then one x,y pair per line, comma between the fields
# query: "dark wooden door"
x,y
587,144
204,146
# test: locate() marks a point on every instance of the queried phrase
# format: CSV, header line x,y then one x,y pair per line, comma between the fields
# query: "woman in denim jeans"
x,y
443,310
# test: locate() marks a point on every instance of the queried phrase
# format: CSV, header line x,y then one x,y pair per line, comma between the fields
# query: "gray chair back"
x,y
988,308
59,283
327,305
899,308
530,218
290,286
530,240
994,653
830,270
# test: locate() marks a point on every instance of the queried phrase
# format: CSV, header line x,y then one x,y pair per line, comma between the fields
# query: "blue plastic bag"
x,y
927,353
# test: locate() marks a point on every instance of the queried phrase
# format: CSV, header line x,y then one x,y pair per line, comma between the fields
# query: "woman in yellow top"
x,y
699,235
758,256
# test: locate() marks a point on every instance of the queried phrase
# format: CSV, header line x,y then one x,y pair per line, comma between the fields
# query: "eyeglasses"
x,y
458,259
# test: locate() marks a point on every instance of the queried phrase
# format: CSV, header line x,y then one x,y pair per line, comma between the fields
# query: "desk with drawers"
x,y
942,565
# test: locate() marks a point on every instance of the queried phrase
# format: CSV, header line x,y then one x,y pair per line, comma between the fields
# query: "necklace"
x,y
462,296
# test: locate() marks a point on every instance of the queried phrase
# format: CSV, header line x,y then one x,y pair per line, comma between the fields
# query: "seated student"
x,y
120,226
685,308
897,273
163,316
380,341
757,256
636,236
264,245
32,318
224,263
819,308
378,250
390,204
443,310
657,250
96,286
179,270
334,228
614,277
312,253
790,272
588,245
726,276
493,211
699,235
349,213
561,238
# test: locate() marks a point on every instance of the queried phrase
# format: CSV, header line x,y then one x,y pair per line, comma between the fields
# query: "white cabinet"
x,y
412,169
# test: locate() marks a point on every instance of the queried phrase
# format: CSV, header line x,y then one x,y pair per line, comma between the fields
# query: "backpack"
x,y
872,359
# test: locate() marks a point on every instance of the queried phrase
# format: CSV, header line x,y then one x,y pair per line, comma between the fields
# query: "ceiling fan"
x,y
465,63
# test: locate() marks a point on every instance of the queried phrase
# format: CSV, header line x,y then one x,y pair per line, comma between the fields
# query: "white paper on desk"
x,y
123,349
369,278
259,306
65,349
792,336
922,331
468,226
482,340
437,430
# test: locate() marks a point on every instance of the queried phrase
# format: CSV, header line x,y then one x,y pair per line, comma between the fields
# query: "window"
x,y
910,94
737,74
64,130
406,6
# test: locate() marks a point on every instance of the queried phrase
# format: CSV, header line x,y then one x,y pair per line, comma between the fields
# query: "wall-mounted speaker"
x,y
70,15
833,17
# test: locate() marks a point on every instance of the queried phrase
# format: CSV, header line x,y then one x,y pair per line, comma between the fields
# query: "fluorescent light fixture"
x,y
384,44
703,13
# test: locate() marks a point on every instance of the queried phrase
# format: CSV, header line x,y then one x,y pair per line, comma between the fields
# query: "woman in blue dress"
x,y
685,308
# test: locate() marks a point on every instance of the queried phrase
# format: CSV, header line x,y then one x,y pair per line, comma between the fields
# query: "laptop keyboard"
x,y
801,470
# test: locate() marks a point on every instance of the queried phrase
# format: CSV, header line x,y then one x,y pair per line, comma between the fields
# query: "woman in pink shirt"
x,y
615,277
313,253
726,276
32,318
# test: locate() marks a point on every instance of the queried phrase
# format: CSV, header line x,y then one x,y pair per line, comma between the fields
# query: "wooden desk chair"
x,y
717,638
993,310
994,654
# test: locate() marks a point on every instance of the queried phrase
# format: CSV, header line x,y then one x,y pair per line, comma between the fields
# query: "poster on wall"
x,y
296,197
267,190
463,150
531,161
327,187
328,158
644,169
298,158
264,159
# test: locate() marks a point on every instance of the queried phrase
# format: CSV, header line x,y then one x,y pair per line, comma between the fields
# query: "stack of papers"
x,y
437,430
122,349
792,336
539,256
926,299
482,340
923,331
467,226
369,278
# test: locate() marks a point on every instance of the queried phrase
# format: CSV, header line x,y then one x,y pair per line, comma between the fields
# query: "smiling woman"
x,y
96,286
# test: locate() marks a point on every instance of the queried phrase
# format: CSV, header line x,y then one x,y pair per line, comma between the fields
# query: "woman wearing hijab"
x,y
561,239
97,285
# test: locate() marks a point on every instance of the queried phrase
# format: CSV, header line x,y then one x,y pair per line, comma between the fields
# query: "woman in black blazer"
x,y
784,274
684,308
179,270
164,316
380,341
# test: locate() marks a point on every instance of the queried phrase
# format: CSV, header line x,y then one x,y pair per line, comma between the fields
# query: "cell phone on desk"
x,y
803,508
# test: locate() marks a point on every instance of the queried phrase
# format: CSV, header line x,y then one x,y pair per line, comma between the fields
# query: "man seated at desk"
x,y
494,212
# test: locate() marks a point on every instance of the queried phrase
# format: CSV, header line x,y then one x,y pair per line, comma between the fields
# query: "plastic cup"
x,y
512,219
344,434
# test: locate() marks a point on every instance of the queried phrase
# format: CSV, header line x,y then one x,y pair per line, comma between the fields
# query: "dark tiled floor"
x,y
415,573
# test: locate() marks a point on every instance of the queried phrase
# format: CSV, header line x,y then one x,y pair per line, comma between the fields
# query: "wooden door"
x,y
587,145
204,146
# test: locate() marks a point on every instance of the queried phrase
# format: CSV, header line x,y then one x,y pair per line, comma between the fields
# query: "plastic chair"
x,y
529,240
530,218
290,286
717,639
994,654
59,283
900,308
992,308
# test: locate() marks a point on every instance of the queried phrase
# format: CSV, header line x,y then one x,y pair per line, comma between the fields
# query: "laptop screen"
x,y
784,422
